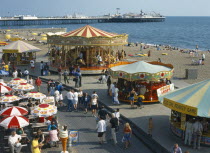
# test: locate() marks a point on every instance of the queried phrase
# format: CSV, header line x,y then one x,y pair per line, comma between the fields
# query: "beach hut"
x,y
19,53
89,47
147,78
189,103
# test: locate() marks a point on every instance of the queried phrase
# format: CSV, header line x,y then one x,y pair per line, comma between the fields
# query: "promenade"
x,y
159,113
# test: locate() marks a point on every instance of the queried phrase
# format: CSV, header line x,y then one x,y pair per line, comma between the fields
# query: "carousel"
x,y
189,103
19,53
147,79
88,47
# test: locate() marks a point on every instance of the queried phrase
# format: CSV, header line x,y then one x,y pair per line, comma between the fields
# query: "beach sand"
x,y
180,61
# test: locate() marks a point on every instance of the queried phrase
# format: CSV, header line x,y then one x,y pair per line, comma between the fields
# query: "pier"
x,y
60,21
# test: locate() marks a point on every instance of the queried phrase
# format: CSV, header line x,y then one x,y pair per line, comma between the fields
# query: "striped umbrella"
x,y
3,84
12,111
5,89
23,87
9,99
14,122
44,110
192,100
16,81
88,32
35,95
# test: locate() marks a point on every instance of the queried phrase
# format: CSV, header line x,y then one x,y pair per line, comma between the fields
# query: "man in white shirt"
x,y
57,96
101,129
14,142
14,74
116,101
188,132
70,97
26,74
32,64
75,100
113,91
197,133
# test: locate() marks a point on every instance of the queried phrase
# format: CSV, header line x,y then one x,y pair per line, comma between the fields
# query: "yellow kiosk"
x,y
19,53
190,102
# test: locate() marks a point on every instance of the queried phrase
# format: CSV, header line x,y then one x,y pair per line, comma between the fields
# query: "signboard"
x,y
180,107
183,120
74,137
165,89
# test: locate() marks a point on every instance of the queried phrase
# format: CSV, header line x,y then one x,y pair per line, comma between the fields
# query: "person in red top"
x,y
38,83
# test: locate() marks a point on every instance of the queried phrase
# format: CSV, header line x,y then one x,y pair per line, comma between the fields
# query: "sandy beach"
x,y
180,61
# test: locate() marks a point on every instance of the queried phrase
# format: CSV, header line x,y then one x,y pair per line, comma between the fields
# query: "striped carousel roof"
x,y
196,96
88,32
21,47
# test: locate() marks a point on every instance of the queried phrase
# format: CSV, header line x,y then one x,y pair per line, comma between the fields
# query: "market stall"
x,y
87,46
19,53
144,77
187,103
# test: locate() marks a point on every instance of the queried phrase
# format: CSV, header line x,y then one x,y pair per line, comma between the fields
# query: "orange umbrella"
x,y
2,43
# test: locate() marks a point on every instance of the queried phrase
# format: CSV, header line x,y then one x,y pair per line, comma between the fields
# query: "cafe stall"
x,y
187,103
145,77
19,53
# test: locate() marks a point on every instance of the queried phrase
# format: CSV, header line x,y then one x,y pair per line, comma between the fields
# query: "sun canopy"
x,y
192,100
19,47
141,70
88,32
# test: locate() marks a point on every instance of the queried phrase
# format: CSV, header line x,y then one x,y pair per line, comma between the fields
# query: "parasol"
x,y
14,122
16,81
35,95
23,87
12,111
4,89
44,110
9,98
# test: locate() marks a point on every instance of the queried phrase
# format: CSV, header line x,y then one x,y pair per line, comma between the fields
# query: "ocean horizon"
x,y
176,31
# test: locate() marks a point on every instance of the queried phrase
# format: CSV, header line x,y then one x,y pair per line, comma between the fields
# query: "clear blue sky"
x,y
100,7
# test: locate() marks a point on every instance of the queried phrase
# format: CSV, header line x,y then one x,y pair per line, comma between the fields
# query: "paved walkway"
x,y
158,112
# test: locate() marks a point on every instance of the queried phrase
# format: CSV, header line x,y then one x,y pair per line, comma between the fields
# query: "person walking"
x,y
65,76
41,68
26,74
116,100
176,149
46,69
188,132
108,82
101,129
70,97
14,74
52,90
114,127
113,91
94,103
86,102
59,73
32,63
80,95
131,97
197,133
75,100
38,83
57,97
127,134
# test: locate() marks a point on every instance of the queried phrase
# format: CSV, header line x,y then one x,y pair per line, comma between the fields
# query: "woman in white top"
x,y
75,100
57,96
94,103
80,95
116,101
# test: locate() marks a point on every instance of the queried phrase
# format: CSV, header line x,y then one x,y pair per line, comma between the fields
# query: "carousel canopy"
x,y
192,100
88,32
19,47
88,36
141,71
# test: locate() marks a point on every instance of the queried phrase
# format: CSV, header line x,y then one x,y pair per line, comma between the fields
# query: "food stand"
x,y
19,53
83,47
144,77
189,103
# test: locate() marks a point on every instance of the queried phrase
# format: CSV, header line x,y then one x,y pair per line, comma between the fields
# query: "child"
x,y
150,127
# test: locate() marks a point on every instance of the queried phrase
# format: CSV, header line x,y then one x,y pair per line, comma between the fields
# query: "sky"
x,y
101,7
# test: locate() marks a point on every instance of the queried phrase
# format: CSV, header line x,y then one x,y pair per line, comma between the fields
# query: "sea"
x,y
182,32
